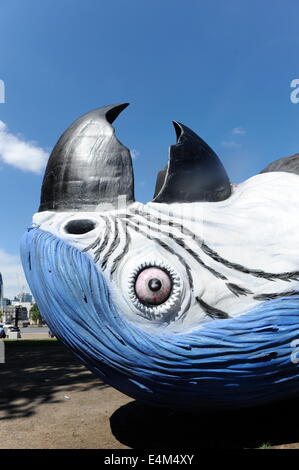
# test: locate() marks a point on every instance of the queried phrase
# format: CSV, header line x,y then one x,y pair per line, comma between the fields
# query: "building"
x,y
23,305
20,306
9,313
1,287
23,297
4,302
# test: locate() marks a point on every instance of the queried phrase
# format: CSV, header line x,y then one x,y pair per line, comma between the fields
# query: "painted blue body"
x,y
230,363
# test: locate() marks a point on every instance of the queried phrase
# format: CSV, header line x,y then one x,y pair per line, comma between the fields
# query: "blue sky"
x,y
221,67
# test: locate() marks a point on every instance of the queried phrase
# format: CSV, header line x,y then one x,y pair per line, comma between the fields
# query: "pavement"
x,y
48,400
34,333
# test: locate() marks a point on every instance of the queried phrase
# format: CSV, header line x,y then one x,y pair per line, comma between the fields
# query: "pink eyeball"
x,y
153,286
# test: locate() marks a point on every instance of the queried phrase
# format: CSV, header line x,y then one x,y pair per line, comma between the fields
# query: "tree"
x,y
35,314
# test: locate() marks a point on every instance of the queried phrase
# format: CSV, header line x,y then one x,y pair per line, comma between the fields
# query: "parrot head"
x,y
189,300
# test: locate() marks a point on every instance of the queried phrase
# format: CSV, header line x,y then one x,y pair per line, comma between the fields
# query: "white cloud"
x,y
12,274
135,154
230,144
238,131
21,154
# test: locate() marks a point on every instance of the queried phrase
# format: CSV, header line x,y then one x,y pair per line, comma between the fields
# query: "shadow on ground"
x,y
140,426
34,371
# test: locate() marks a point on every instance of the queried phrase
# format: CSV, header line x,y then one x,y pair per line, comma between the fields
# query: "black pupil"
x,y
155,284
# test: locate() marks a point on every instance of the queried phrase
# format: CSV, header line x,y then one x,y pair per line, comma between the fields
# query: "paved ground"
x,y
34,329
34,335
33,332
48,400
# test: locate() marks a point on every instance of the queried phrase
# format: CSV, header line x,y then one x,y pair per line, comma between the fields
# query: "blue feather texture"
x,y
231,363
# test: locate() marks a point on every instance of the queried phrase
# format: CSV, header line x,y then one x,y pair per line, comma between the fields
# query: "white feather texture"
x,y
256,228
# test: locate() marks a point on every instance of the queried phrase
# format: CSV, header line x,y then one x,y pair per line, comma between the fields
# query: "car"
x,y
10,328
25,324
2,333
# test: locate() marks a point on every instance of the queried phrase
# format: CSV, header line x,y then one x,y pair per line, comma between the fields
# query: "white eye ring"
x,y
161,311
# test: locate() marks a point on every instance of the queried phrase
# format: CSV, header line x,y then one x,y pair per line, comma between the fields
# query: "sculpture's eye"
x,y
155,289
79,226
153,286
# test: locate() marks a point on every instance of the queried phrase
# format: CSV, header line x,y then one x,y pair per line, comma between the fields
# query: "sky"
x,y
222,67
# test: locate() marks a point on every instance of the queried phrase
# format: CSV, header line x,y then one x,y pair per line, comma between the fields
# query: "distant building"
x,y
1,287
21,306
23,297
9,313
4,302
26,305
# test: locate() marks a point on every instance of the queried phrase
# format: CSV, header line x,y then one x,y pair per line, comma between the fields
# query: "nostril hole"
x,y
78,227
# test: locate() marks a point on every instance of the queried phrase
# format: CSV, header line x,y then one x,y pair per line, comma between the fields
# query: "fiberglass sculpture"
x,y
188,301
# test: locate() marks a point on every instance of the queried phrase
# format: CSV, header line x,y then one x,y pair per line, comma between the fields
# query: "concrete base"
x,y
14,335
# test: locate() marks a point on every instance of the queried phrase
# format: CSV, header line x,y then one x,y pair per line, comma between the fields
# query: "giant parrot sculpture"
x,y
188,301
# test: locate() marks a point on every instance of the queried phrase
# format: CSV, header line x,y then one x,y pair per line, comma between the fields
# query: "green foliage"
x,y
35,314
266,445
